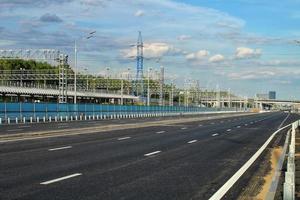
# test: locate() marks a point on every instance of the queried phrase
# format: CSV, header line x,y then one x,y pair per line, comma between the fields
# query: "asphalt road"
x,y
183,161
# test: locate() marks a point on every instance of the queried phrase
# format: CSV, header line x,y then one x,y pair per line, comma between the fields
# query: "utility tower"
x,y
139,87
63,62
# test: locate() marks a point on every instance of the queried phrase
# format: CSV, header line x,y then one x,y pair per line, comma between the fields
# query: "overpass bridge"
x,y
33,93
249,102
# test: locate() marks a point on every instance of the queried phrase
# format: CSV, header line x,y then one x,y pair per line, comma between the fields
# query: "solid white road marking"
x,y
152,153
224,189
160,132
60,179
216,134
283,121
15,129
228,130
124,138
192,141
60,148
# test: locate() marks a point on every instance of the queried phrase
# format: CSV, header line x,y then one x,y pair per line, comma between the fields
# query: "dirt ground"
x,y
260,182
275,156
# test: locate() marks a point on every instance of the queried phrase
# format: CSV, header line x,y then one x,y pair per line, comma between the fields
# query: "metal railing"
x,y
30,112
289,182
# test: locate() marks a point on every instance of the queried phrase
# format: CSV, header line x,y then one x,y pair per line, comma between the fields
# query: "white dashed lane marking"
x,y
124,138
192,141
216,134
159,132
152,153
19,129
60,179
60,148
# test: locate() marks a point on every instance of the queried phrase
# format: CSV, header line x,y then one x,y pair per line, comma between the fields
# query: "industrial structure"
x,y
139,81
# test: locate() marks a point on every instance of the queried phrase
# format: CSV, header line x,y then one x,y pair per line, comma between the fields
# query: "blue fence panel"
x,y
13,110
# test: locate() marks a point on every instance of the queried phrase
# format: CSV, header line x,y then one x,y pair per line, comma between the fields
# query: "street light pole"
x,y
21,79
87,78
172,93
148,89
122,86
107,78
90,35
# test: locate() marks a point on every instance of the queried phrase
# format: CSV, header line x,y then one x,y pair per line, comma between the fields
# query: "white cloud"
x,y
217,58
139,13
183,37
245,52
252,75
93,2
151,50
199,55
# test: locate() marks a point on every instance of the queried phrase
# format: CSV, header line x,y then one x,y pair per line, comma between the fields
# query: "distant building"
x,y
264,96
272,95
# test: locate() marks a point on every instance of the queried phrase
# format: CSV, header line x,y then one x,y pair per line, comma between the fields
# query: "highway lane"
x,y
113,135
111,168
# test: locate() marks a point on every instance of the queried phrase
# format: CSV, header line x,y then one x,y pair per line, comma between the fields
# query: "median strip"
x,y
60,179
97,129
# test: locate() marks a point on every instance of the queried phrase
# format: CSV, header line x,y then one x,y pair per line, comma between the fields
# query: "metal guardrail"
x,y
289,182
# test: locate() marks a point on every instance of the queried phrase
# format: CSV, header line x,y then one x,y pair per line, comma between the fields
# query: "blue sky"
x,y
239,44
